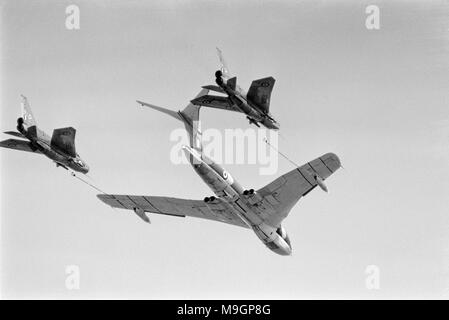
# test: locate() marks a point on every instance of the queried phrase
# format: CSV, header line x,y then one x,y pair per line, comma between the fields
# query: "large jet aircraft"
x,y
60,147
261,210
255,104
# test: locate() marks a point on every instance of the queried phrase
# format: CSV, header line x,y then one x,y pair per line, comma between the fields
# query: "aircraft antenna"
x,y
88,183
280,153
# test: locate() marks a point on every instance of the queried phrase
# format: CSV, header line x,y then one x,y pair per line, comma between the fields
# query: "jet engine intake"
x,y
252,196
248,192
209,199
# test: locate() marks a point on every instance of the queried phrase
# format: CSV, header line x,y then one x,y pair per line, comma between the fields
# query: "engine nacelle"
x,y
141,214
209,199
320,183
212,204
281,231
252,196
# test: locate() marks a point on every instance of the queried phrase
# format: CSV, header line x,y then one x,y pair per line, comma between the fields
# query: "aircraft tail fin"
x,y
224,67
192,112
27,114
189,116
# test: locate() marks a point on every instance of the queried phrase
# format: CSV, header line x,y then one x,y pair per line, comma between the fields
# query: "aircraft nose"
x,y
284,251
275,125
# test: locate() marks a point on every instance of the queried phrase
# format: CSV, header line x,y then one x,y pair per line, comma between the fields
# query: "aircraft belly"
x,y
245,107
211,178
250,216
53,155
266,233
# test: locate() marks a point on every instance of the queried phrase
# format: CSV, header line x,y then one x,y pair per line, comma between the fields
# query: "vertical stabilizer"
x,y
27,114
224,67
190,116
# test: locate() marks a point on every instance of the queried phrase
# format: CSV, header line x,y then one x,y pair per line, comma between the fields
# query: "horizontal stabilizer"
x,y
189,116
15,134
172,113
215,102
64,140
18,145
214,88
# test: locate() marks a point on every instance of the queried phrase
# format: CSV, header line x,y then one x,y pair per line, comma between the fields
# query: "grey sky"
x,y
379,99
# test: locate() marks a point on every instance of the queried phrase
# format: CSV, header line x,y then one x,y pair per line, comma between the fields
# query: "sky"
x,y
377,98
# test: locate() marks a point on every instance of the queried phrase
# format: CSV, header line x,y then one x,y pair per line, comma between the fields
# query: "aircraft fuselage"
x,y
236,198
42,142
239,98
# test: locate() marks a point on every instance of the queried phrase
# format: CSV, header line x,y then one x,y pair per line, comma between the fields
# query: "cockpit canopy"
x,y
78,161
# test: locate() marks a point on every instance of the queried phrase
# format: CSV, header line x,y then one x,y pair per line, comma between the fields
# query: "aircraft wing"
x,y
260,92
18,145
215,102
215,210
279,196
64,139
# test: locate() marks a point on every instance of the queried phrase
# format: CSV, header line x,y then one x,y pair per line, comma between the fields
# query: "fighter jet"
x,y
60,147
255,104
261,210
